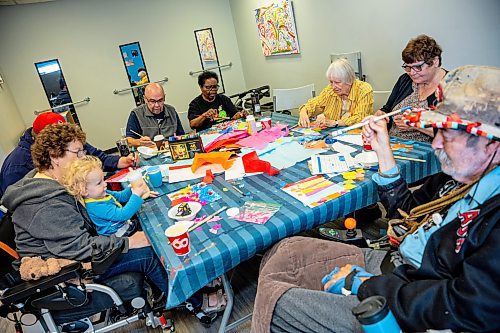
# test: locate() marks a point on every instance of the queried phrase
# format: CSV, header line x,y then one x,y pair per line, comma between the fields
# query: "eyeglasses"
x,y
416,68
153,101
79,153
216,87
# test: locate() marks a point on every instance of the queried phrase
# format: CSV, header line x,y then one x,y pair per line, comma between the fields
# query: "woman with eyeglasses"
x,y
51,223
416,87
210,107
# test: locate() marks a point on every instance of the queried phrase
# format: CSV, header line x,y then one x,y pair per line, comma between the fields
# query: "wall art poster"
x,y
276,28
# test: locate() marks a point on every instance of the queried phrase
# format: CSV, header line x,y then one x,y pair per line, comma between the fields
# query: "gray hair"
x,y
340,69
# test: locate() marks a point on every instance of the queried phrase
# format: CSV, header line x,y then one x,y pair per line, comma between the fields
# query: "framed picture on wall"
x,y
208,53
276,29
136,69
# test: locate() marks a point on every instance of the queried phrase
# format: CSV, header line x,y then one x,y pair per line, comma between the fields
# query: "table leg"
x,y
224,327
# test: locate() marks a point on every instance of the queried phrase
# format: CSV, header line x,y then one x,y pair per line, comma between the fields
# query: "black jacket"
x,y
458,289
402,89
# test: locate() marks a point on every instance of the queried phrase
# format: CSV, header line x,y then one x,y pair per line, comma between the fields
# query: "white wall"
x,y
467,30
84,35
11,123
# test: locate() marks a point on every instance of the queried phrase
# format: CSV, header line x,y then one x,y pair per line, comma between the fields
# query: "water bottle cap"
x,y
371,310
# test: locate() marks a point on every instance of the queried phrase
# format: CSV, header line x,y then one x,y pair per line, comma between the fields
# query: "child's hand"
x,y
153,194
140,189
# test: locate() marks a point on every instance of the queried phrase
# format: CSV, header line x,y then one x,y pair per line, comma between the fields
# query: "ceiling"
x,y
20,2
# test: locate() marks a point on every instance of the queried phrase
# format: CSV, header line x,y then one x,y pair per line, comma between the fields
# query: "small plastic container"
x,y
251,125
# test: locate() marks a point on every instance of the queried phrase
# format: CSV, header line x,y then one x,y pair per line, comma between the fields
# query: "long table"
x,y
213,255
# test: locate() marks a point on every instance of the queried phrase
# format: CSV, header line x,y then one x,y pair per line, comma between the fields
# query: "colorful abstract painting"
x,y
276,28
206,44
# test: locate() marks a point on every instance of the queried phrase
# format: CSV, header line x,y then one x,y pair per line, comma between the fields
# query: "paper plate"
x,y
195,208
147,152
367,158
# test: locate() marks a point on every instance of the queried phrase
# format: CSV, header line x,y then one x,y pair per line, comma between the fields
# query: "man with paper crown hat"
x,y
446,272
469,100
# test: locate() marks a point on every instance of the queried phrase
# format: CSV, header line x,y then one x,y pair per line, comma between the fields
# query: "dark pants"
x,y
142,260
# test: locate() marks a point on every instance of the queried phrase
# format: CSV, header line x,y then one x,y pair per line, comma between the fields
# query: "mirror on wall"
x,y
136,70
56,89
208,53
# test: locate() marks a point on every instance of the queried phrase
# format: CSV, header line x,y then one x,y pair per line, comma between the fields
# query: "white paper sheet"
x,y
183,173
342,148
237,170
351,138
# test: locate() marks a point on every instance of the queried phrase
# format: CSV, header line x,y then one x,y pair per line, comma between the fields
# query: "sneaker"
x,y
214,302
159,301
206,319
75,327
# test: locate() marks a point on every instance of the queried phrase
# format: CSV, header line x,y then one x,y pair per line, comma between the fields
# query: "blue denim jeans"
x,y
144,261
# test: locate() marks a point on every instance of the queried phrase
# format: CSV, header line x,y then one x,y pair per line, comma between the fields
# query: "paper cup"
x,y
135,179
178,236
266,123
158,139
154,174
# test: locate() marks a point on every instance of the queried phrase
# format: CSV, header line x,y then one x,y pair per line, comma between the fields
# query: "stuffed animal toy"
x,y
34,268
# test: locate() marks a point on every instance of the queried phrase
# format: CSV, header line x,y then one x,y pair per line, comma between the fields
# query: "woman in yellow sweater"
x,y
345,101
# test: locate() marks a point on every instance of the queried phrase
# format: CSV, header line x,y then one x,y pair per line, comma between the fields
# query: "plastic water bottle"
x,y
255,103
251,125
375,316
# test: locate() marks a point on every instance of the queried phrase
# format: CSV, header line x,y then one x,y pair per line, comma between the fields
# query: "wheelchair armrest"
x,y
101,261
23,290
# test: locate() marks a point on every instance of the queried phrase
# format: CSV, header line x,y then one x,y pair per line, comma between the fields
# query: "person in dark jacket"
x,y
19,161
449,276
50,223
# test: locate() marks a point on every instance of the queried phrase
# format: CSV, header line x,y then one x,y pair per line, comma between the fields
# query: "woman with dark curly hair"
x,y
422,64
51,223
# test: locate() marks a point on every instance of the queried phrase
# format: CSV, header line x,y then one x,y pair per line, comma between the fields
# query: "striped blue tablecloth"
x,y
213,255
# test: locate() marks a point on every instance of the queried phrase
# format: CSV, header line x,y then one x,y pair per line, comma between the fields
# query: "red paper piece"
x,y
118,176
253,163
209,177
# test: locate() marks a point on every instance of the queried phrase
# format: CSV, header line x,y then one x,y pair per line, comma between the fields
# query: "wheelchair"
x,y
243,100
66,303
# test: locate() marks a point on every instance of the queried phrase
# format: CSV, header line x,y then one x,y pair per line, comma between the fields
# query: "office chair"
x,y
285,100
354,59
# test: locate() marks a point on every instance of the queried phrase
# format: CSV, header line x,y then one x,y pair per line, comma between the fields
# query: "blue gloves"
x,y
345,280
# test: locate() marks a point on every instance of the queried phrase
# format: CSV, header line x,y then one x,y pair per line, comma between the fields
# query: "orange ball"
x,y
350,223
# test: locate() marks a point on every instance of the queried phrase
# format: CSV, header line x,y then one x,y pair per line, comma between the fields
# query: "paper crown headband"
x,y
427,119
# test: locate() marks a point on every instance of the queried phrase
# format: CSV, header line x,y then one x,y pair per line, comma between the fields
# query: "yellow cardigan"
x,y
328,102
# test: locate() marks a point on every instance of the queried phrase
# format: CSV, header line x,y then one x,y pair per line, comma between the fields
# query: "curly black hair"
x,y
205,76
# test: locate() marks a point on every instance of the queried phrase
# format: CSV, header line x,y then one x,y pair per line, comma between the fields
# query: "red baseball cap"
x,y
47,118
